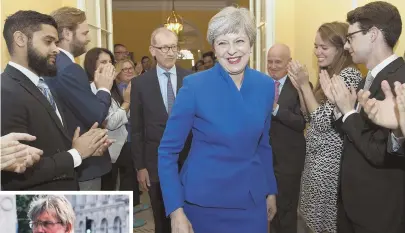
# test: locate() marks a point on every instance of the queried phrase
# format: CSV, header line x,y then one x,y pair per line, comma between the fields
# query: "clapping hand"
x,y
326,85
15,156
299,73
344,98
400,100
381,112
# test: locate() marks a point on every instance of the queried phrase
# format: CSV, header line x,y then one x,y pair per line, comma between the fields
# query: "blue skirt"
x,y
220,220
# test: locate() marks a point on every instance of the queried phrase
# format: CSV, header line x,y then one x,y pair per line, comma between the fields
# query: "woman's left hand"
x,y
271,207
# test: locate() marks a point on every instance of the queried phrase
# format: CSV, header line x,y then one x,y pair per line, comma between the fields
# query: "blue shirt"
x,y
122,87
282,82
163,81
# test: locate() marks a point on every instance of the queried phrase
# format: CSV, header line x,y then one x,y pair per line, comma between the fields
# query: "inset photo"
x,y
69,213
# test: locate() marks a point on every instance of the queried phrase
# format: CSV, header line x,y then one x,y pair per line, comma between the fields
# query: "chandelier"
x,y
174,22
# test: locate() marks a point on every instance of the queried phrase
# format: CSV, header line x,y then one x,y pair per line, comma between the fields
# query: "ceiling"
x,y
151,5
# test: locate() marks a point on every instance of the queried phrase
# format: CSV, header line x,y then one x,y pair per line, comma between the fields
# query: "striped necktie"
x,y
367,85
46,92
170,93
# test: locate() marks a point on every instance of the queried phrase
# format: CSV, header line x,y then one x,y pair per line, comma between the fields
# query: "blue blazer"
x,y
81,108
230,162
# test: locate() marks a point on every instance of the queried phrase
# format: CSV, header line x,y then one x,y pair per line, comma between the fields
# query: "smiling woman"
x,y
233,113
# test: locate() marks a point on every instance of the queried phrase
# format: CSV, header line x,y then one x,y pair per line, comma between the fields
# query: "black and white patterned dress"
x,y
319,184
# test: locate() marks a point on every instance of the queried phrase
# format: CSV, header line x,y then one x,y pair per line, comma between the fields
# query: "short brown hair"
x,y
381,15
68,17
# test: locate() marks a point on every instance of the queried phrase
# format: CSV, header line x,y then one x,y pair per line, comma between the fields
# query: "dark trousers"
x,y
127,174
345,225
286,220
162,223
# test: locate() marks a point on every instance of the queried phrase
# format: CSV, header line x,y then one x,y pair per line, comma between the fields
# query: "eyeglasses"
x,y
125,53
127,69
349,36
166,49
44,224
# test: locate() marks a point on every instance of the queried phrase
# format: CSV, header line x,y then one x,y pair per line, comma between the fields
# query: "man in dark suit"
x,y
287,140
372,180
152,98
28,106
83,108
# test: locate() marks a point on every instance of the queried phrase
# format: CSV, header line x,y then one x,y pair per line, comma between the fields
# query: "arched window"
x,y
117,225
104,226
81,228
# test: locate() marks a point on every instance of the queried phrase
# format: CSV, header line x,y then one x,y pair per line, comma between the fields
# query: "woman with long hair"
x,y
320,178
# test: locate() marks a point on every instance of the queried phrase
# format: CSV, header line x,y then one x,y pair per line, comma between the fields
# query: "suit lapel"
x,y
384,74
37,94
157,93
180,77
285,92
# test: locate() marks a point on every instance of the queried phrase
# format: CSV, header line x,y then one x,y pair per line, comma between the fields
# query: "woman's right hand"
x,y
127,94
299,72
180,222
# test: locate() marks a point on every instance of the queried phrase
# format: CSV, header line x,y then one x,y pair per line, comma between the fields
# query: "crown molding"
x,y
201,5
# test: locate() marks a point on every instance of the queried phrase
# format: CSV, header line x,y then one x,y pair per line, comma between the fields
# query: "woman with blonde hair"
x,y
320,178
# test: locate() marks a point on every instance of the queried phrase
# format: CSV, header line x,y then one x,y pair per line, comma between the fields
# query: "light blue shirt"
x,y
163,82
282,82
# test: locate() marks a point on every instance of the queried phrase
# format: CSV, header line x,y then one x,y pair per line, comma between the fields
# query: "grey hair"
x,y
232,20
58,204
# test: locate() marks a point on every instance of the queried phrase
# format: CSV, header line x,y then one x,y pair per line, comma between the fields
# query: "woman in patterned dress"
x,y
320,178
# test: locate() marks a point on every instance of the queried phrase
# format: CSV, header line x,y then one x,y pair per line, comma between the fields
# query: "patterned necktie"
x,y
46,92
369,81
277,94
170,93
367,85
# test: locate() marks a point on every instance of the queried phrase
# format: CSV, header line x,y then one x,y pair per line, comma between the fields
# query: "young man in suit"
x,y
372,180
83,108
152,97
28,106
287,140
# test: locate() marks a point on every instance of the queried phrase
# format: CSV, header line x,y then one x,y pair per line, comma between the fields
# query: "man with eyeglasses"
x,y
372,179
152,97
51,214
120,52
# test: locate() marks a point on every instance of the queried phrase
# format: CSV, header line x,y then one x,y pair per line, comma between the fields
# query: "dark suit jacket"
x,y
25,109
148,120
83,109
372,180
287,133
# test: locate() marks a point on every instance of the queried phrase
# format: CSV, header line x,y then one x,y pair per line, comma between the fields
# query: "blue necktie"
x,y
46,92
170,93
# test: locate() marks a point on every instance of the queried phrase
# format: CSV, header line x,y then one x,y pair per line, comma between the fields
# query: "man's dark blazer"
x,y
82,109
148,120
372,180
287,133
24,109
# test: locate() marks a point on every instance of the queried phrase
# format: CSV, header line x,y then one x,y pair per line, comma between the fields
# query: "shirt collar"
x,y
161,71
68,54
282,80
30,75
383,64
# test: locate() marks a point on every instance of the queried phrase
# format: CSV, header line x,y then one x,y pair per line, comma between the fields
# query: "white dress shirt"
x,y
163,82
77,159
73,60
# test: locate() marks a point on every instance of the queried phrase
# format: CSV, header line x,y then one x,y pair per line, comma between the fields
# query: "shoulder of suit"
x,y
260,77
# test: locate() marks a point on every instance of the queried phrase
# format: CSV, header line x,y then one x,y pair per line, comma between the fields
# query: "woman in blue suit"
x,y
227,183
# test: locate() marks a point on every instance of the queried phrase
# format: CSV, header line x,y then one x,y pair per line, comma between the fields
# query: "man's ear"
x,y
20,39
67,34
69,228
